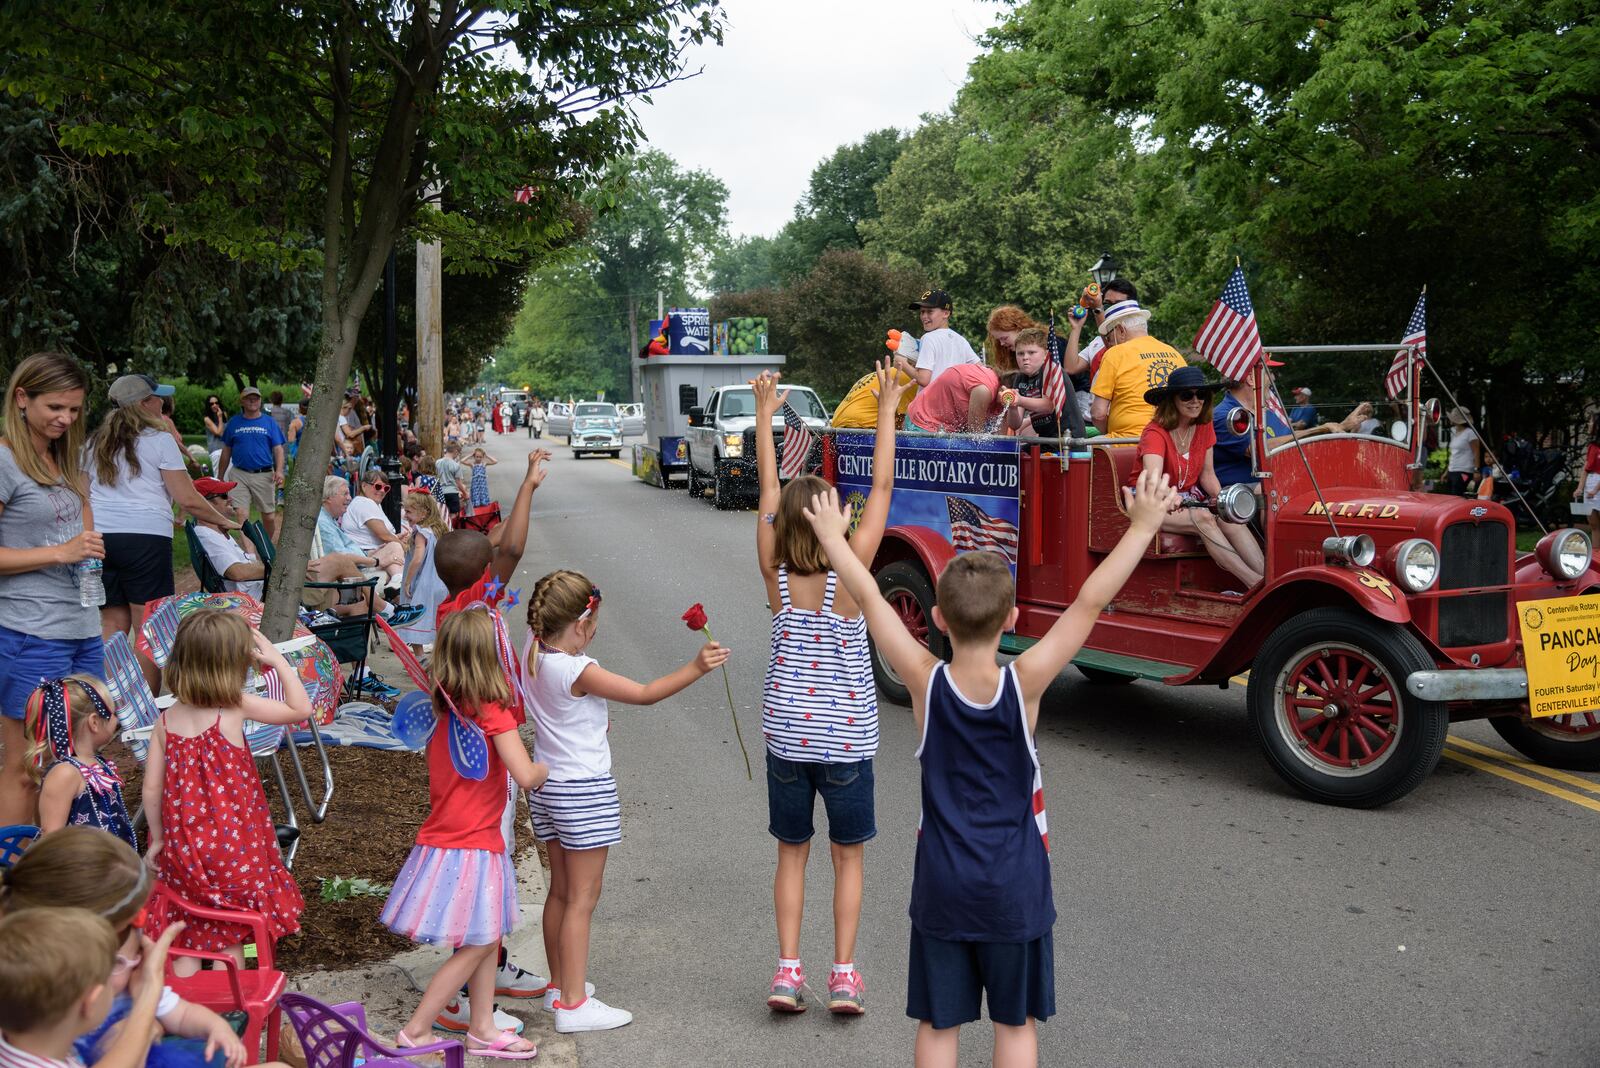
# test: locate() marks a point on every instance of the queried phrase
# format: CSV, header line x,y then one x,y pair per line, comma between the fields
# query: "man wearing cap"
x,y
253,453
1233,456
136,473
1303,414
1134,362
939,347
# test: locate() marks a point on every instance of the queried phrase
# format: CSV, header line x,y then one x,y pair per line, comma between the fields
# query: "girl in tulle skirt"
x,y
458,887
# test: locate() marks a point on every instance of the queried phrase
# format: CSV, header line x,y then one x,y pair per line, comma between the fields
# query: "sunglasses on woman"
x,y
1189,395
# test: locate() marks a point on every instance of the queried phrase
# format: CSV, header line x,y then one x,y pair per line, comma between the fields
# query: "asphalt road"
x,y
1208,916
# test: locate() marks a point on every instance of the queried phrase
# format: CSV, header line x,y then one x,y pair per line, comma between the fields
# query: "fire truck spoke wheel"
x,y
907,589
1329,706
1570,741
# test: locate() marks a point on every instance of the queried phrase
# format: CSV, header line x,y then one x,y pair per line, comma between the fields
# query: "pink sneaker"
x,y
786,993
845,993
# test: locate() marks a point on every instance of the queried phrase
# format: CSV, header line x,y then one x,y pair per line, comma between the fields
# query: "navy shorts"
x,y
846,789
26,661
948,980
138,569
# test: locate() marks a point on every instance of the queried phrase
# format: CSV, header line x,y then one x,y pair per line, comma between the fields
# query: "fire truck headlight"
x,y
1415,564
1565,553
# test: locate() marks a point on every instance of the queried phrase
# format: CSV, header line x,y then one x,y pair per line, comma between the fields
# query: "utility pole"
x,y
429,417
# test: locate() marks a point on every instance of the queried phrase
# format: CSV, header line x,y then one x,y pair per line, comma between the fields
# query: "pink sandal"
x,y
499,1047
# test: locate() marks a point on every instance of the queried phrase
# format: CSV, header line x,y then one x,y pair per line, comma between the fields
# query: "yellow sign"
x,y
1561,644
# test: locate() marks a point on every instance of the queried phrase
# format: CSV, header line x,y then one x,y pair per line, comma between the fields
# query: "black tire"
x,y
722,495
616,454
1102,677
693,479
1540,740
900,583
1409,732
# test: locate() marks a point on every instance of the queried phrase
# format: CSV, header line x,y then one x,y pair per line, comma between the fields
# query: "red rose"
x,y
695,617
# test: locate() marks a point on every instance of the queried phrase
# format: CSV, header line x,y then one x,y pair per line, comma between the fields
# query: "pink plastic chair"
x,y
335,1036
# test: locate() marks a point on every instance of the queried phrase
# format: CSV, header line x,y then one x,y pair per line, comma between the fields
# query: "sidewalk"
x,y
390,989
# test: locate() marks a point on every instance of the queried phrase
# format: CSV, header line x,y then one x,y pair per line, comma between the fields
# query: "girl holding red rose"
x,y
576,812
819,704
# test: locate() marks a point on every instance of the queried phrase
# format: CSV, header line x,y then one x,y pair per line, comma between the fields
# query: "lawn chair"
x,y
483,519
228,988
13,840
210,578
336,1036
266,552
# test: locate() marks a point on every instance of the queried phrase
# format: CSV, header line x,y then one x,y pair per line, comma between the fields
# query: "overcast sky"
x,y
794,81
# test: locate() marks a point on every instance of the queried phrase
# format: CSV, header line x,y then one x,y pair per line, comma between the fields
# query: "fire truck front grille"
x,y
1473,554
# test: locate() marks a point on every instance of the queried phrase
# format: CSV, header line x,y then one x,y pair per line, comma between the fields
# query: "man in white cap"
x,y
1304,414
1134,362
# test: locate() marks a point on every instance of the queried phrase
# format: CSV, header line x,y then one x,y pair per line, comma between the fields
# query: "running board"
x,y
1117,663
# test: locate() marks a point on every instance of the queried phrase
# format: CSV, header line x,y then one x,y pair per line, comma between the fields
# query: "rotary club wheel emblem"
x,y
858,504
1533,618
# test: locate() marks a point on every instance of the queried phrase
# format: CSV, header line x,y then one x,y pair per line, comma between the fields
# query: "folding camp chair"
x,y
483,518
266,552
210,578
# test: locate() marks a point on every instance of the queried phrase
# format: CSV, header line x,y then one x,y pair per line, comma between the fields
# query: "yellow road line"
x,y
1523,780
619,463
1538,769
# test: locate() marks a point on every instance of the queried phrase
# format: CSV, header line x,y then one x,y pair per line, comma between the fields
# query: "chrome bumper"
x,y
1469,684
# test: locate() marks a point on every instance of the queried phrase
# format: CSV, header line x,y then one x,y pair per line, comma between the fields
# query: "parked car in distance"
x,y
596,427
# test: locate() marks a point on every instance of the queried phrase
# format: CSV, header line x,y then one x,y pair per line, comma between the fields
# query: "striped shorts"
x,y
580,813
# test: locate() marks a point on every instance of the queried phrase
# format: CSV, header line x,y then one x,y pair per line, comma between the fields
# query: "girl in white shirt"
x,y
576,812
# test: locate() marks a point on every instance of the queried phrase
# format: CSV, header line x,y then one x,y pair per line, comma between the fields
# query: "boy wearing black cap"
x,y
939,347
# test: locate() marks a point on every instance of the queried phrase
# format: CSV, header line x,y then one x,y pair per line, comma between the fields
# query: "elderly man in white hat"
x,y
1134,363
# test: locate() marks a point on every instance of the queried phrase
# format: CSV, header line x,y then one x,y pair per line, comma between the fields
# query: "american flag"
x,y
1228,337
1416,334
974,530
797,439
1054,385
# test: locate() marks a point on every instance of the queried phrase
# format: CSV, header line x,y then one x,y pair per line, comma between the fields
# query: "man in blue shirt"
x,y
1231,456
253,455
1304,413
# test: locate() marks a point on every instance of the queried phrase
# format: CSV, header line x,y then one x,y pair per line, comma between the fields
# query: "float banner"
x,y
963,488
689,331
1561,645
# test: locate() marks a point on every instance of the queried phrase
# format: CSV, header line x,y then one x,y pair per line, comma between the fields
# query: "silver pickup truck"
x,y
722,444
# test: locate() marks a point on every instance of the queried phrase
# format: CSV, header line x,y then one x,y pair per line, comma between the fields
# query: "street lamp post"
x,y
1105,268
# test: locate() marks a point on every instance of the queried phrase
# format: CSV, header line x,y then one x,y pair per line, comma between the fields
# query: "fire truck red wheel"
x,y
1571,741
1329,706
906,587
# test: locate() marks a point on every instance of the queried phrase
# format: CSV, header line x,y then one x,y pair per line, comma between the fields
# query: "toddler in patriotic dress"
x,y
69,720
458,887
211,834
577,813
819,704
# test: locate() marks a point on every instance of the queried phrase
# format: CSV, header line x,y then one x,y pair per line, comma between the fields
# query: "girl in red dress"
x,y
211,834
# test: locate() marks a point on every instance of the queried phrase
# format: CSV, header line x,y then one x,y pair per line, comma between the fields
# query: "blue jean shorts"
x,y
947,981
26,661
846,789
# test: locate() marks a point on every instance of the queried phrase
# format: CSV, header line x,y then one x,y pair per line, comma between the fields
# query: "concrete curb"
x,y
389,989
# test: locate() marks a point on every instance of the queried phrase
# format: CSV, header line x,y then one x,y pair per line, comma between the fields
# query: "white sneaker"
x,y
552,995
457,1018
592,1015
514,982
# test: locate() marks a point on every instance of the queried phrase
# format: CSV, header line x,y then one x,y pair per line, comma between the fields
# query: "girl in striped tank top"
x,y
819,705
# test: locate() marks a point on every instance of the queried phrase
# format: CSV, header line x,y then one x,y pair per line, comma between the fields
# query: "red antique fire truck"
x,y
1385,614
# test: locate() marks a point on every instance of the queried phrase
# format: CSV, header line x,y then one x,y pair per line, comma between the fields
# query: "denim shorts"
x,y
846,789
948,981
26,661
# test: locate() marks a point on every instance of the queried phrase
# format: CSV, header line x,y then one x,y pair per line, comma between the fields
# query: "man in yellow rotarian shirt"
x,y
1133,363
859,409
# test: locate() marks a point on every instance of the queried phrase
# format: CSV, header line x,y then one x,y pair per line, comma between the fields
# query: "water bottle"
x,y
91,583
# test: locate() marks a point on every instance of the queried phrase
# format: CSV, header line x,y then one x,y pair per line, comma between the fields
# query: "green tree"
x,y
839,199
567,339
656,231
365,111
743,264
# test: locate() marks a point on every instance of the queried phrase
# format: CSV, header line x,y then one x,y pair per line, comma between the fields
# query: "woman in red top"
x,y
458,887
1178,443
1589,488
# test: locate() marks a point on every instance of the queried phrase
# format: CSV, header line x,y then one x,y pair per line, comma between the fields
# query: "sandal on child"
x,y
402,1042
499,1047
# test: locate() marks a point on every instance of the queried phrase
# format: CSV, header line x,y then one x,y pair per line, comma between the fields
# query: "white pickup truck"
x,y
722,444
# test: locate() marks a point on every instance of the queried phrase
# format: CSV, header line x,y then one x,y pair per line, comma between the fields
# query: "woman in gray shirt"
x,y
46,530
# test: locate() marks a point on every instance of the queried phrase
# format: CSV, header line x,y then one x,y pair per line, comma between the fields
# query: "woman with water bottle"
x,y
50,555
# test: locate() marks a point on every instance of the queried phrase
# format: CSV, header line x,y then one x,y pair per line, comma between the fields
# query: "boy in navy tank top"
x,y
981,903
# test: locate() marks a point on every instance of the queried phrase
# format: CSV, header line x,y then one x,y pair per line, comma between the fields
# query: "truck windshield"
x,y
743,402
595,409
